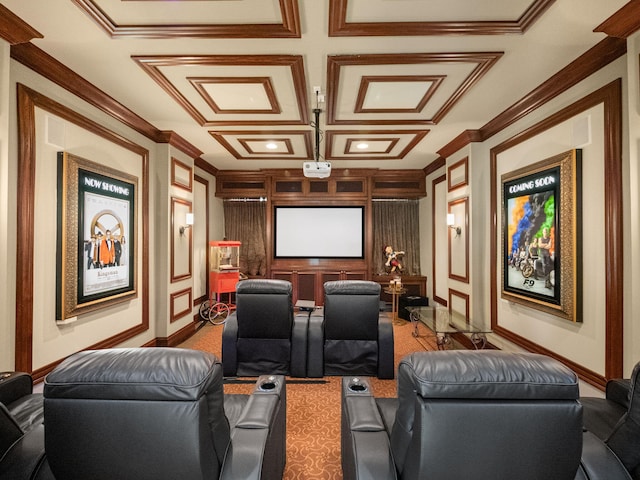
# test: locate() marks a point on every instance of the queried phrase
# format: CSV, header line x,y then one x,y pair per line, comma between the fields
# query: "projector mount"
x,y
316,127
317,169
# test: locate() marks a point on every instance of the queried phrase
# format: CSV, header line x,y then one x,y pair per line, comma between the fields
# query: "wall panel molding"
x,y
610,96
461,296
434,229
28,100
460,208
205,183
181,175
174,299
458,174
181,268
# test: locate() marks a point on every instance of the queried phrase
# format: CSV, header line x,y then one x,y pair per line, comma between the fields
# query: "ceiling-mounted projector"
x,y
316,169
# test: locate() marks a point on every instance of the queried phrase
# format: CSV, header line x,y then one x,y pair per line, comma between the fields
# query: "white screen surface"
x,y
319,232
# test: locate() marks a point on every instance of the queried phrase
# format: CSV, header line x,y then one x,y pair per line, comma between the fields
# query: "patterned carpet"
x,y
313,408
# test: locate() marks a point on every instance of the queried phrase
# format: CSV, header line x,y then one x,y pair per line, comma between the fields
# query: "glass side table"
x,y
443,322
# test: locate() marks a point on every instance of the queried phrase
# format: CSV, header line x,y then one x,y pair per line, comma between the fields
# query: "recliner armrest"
x,y
299,344
14,385
386,363
598,462
16,393
365,449
10,430
258,441
315,344
618,391
229,339
25,456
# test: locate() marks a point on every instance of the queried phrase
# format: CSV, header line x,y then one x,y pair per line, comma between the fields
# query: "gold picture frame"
x,y
96,236
541,235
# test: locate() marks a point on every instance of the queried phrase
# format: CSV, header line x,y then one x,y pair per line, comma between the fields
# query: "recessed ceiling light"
x,y
362,146
271,146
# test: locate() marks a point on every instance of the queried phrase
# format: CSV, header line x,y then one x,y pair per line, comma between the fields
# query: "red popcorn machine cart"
x,y
224,274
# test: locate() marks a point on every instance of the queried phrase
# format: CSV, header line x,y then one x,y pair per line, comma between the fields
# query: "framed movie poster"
x,y
96,236
541,235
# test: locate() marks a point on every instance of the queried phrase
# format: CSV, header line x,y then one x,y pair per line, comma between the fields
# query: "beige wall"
x,y
7,245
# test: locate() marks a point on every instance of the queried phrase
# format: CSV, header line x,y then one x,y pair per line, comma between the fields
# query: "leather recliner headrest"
x,y
488,375
264,286
351,287
167,374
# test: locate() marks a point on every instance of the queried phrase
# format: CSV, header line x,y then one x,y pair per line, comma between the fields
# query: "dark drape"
x,y
246,221
396,223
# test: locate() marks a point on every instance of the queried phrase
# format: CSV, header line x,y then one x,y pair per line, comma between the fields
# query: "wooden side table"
x,y
395,295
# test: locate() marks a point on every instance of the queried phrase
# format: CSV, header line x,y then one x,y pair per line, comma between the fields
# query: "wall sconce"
x,y
451,220
188,221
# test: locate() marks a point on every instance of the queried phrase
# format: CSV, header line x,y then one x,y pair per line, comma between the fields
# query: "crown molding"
x,y
435,165
623,23
14,30
44,64
176,141
594,59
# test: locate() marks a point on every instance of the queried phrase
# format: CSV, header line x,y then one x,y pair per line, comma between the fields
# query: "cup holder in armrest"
x,y
356,386
268,384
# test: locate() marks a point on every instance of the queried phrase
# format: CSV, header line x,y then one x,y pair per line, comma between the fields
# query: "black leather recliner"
x,y
602,414
21,427
483,415
615,420
16,394
349,335
263,336
160,413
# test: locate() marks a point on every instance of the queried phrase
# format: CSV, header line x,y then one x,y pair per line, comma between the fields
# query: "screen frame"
x,y
363,233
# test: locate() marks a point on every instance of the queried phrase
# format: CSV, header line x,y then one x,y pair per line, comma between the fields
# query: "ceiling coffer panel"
x,y
371,145
238,94
266,144
353,18
174,19
234,90
396,94
421,90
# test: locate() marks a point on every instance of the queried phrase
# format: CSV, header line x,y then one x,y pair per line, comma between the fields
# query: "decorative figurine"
x,y
392,263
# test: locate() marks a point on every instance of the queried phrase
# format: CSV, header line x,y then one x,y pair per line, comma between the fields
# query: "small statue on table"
x,y
392,263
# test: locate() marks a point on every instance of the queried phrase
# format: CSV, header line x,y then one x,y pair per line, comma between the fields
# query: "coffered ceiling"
x,y
391,82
